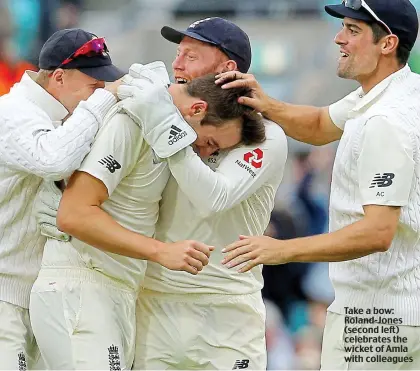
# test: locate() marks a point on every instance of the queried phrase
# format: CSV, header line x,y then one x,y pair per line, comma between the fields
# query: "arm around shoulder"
x,y
244,170
34,146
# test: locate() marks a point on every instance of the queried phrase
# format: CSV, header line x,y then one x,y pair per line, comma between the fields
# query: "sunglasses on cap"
x,y
358,4
89,49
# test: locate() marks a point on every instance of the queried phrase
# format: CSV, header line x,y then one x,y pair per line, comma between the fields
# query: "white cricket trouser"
x,y
200,332
83,319
18,349
375,347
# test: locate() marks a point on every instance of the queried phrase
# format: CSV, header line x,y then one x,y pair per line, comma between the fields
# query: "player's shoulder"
x,y
275,144
274,132
16,108
117,119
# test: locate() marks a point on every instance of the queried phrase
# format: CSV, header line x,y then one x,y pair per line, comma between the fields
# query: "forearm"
x,y
54,154
208,191
299,122
95,227
352,242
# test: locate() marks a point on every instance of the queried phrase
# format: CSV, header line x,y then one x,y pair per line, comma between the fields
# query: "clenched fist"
x,y
189,256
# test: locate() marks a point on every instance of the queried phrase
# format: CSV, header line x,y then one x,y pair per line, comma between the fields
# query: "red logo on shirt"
x,y
254,158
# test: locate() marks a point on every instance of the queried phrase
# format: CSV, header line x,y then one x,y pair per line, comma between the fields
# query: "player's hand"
x,y
152,76
188,256
234,79
149,104
253,251
46,206
113,87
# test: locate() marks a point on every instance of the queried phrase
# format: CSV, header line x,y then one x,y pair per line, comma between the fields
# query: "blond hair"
x,y
43,77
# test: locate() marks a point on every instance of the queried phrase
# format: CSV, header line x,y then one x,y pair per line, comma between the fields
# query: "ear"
x,y
390,44
198,109
227,66
58,76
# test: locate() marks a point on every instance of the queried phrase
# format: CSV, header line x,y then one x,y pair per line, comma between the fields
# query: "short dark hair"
x,y
223,105
379,31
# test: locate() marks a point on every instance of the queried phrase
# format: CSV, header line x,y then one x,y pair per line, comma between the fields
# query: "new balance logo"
x,y
110,163
21,362
241,363
384,180
176,134
114,358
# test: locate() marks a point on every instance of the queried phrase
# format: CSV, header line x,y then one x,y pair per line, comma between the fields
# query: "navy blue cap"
x,y
64,43
227,36
399,15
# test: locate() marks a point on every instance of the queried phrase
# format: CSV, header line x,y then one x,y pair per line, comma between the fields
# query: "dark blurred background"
x,y
294,58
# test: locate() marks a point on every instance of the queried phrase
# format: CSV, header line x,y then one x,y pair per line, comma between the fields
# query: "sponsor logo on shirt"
x,y
241,363
254,158
176,134
382,180
246,167
110,163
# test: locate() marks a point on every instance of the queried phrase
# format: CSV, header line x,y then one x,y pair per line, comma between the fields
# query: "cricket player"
x,y
373,244
83,303
215,320
33,146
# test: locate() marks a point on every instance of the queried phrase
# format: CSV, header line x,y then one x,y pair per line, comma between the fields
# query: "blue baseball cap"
x,y
227,36
399,15
62,44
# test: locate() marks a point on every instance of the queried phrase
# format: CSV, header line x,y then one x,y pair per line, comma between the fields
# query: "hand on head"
x,y
235,79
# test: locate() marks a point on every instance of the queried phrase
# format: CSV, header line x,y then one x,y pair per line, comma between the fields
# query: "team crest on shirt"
x,y
114,358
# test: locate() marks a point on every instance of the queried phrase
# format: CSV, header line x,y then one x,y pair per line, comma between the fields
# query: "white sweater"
x,y
378,162
32,149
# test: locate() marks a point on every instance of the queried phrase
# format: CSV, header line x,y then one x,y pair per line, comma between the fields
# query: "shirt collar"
x,y
378,89
39,96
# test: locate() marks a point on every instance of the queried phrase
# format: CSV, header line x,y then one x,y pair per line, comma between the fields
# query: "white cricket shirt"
x,y
378,163
214,204
124,162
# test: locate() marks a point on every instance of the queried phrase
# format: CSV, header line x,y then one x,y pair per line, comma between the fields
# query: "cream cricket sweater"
x,y
33,149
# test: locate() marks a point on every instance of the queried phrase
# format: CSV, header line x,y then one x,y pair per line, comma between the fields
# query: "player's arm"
x,y
113,156
308,124
238,176
382,207
372,234
312,125
81,216
34,146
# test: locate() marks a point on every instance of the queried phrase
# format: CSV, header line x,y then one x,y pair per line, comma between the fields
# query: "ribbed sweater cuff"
x,y
101,102
15,291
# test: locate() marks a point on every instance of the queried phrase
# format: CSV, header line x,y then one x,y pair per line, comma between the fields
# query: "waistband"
x,y
201,298
83,275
